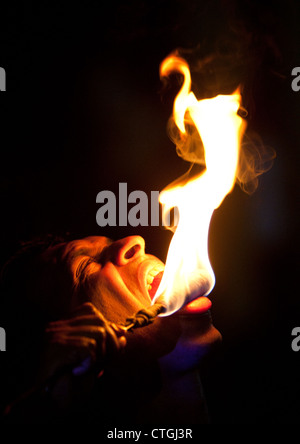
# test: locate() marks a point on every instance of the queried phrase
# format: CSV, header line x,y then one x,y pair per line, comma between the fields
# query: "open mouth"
x,y
153,278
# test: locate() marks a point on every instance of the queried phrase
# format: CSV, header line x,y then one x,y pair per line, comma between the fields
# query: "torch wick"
x,y
144,316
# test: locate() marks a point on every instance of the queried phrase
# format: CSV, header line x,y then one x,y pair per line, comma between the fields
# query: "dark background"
x,y
85,110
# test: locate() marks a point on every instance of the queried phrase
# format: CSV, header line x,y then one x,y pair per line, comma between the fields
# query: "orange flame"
x,y
188,273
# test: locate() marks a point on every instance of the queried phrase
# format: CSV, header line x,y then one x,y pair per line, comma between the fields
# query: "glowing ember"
x,y
188,273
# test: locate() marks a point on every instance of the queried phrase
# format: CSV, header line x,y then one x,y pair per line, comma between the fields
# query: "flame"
x,y
188,273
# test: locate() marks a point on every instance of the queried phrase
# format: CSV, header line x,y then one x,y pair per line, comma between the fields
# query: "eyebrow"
x,y
75,251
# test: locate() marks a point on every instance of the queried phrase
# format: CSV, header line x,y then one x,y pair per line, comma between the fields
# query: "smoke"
x,y
255,158
189,146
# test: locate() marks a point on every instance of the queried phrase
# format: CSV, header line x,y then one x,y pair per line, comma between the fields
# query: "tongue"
x,y
200,305
155,284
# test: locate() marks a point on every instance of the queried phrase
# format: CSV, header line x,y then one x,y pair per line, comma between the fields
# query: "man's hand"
x,y
77,350
81,343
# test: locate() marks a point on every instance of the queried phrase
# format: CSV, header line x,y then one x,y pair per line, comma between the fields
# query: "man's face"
x,y
117,277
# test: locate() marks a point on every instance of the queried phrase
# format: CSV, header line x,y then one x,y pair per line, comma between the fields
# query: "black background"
x,y
84,110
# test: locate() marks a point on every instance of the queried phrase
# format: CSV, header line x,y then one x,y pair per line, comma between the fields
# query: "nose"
x,y
125,250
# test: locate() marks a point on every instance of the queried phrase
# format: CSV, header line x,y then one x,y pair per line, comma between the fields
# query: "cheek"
x,y
101,291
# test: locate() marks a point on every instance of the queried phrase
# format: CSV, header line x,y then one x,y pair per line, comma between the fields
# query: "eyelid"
x,y
98,258
82,266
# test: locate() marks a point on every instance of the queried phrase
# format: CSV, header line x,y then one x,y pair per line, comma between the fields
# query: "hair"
x,y
22,319
15,273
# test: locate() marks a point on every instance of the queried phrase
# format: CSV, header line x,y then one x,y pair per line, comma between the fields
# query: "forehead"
x,y
91,245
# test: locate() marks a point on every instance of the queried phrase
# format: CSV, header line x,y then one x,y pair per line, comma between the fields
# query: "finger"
x,y
94,359
76,321
88,308
90,331
114,343
66,351
119,329
82,333
107,340
74,343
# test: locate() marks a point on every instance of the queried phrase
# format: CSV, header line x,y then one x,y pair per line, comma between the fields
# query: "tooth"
x,y
149,279
154,271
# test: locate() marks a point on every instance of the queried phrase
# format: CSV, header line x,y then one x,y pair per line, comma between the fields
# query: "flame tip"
x,y
188,273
